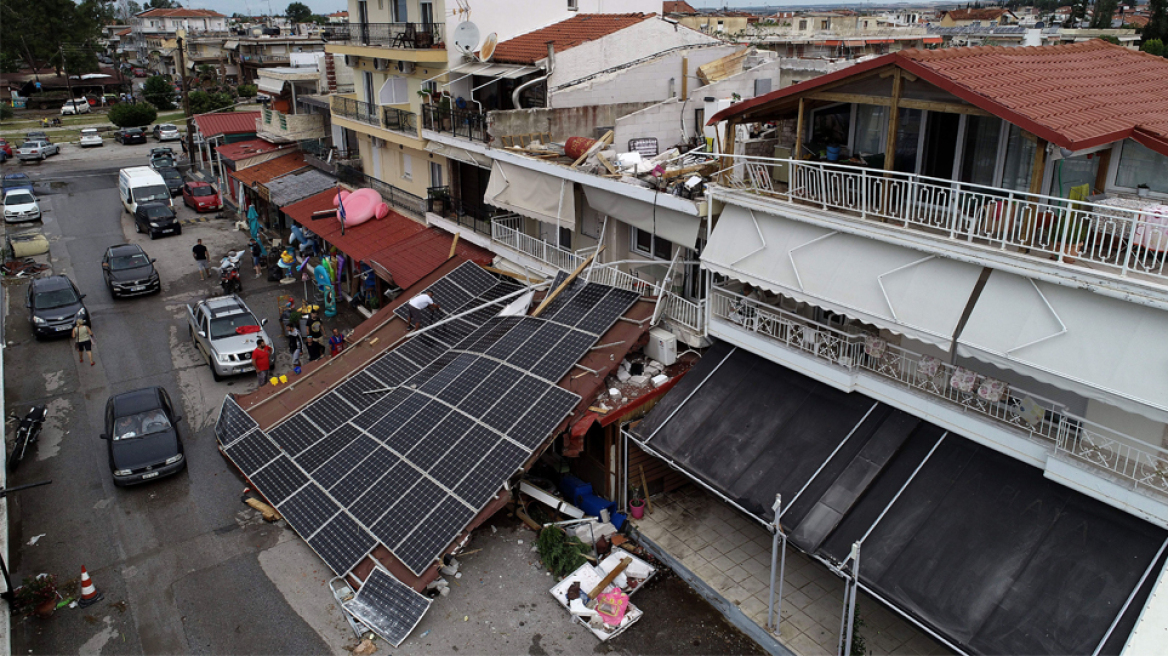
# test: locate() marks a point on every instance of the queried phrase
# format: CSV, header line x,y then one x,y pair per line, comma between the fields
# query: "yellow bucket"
x,y
274,381
283,379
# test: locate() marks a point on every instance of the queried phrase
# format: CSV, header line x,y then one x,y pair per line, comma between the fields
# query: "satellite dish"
x,y
488,48
466,37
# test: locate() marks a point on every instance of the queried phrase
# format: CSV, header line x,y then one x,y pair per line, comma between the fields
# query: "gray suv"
x,y
224,330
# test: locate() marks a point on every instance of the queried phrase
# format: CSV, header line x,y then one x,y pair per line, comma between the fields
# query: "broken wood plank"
x,y
599,145
454,244
575,274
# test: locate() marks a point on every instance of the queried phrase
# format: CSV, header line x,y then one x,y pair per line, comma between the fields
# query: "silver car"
x,y
31,150
90,137
167,132
20,205
225,330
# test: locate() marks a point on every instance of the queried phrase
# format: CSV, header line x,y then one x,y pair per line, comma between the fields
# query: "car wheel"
x,y
137,228
153,236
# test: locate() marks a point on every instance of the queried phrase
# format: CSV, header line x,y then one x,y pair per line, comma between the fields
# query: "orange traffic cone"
x,y
89,594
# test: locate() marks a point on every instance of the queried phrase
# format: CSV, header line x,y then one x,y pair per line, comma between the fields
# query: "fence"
x,y
459,122
399,120
413,36
475,217
1144,465
356,110
392,196
1075,233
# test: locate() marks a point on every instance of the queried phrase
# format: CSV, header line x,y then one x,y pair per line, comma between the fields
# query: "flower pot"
x,y
44,610
1143,192
637,508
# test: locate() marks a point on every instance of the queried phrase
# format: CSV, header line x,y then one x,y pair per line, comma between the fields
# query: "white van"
x,y
142,184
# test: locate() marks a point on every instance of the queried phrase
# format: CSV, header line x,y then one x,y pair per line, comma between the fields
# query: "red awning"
x,y
854,43
876,41
931,39
833,43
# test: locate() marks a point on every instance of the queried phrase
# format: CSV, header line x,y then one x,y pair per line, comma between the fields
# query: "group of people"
x,y
299,344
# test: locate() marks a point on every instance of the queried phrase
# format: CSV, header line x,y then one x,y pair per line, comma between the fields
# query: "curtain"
x,y
980,153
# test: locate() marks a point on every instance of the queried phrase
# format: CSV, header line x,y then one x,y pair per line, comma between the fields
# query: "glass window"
x,y
1019,160
1141,165
869,129
908,135
830,125
980,153
1074,172
649,244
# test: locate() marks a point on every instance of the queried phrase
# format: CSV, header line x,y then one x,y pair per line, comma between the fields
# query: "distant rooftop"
x,y
531,47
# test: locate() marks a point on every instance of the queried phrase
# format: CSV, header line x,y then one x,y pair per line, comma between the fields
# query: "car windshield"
x,y
17,198
133,131
226,326
202,191
172,175
153,192
89,132
163,160
16,180
141,425
158,212
167,128
31,144
55,298
119,262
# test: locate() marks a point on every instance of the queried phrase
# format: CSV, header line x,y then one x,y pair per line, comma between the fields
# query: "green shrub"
x,y
202,102
6,111
128,115
247,90
560,554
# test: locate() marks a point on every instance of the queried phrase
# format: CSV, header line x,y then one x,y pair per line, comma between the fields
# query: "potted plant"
x,y
637,503
38,595
1142,189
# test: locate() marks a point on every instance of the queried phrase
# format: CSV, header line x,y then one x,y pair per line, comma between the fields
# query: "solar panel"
x,y
447,375
353,390
559,361
472,278
541,343
335,468
524,393
482,482
463,456
431,370
296,434
453,331
278,480
385,492
416,429
427,452
579,305
421,350
329,411
614,304
252,452
412,508
468,380
448,295
394,367
381,408
233,422
487,334
332,444
399,417
419,550
342,543
514,339
543,417
308,510
363,476
565,296
387,606
499,290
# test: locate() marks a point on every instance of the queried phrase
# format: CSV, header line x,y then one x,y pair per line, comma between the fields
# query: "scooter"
x,y
27,433
229,278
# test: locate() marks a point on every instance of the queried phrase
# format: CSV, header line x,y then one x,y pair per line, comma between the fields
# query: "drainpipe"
x,y
551,67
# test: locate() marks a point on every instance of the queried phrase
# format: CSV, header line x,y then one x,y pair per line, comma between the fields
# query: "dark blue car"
x,y
13,181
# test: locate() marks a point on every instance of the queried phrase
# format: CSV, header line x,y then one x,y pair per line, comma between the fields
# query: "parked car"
x,y
75,106
6,149
141,429
14,181
127,136
129,271
166,132
37,135
21,205
54,306
225,330
90,137
139,72
156,219
201,197
34,150
174,179
161,160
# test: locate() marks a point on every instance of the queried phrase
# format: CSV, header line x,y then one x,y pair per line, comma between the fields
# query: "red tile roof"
x,y
989,13
273,168
1075,96
249,148
678,7
361,241
412,259
123,33
213,125
532,47
180,13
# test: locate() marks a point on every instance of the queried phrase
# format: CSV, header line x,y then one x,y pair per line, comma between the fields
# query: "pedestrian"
x,y
315,350
83,336
261,357
315,329
200,252
294,345
257,257
418,304
336,343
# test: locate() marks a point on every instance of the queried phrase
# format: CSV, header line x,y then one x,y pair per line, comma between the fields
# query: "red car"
x,y
6,148
201,196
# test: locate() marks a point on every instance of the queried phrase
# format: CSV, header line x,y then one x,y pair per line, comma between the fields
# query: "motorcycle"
x,y
229,278
27,433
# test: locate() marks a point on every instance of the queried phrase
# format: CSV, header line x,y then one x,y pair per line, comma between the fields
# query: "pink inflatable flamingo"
x,y
361,205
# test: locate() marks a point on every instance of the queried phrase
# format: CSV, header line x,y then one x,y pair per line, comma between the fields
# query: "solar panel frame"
x,y
537,424
251,452
468,381
354,390
362,477
380,497
445,435
605,313
472,278
233,422
344,461
447,294
420,548
452,467
308,509
421,350
483,482
390,608
542,342
525,392
342,543
451,371
332,444
394,367
279,479
413,506
384,429
579,305
329,411
295,434
380,408
515,338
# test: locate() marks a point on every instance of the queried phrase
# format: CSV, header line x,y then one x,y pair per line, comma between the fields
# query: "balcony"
x,y
476,217
392,124
286,128
394,197
457,122
1112,240
398,120
416,42
1135,464
265,60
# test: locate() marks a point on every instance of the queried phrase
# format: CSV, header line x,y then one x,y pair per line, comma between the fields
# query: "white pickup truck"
x,y
224,330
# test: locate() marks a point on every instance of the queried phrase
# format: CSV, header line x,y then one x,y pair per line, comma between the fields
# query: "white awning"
x,y
681,229
230,45
537,195
503,71
905,291
268,85
461,154
1096,346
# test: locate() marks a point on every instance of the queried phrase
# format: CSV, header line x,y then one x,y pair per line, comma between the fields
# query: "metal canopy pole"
x,y
851,600
776,532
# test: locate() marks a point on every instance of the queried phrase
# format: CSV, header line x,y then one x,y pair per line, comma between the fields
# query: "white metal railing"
x,y
1143,465
1074,233
508,233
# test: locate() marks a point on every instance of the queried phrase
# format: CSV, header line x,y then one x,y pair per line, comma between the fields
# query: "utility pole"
x,y
69,84
180,36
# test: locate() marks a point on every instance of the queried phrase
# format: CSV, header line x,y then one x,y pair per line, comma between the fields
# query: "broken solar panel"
x,y
387,606
456,291
233,422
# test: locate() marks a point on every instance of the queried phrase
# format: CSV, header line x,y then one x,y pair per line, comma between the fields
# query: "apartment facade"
x,y
152,32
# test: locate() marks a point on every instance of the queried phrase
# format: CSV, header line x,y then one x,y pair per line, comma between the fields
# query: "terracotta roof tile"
x,y
361,241
989,13
678,7
412,259
180,13
273,168
212,125
242,149
532,47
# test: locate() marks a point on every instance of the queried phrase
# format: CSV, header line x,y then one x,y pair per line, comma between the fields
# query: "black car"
x,y
156,219
127,136
129,271
174,179
141,430
54,305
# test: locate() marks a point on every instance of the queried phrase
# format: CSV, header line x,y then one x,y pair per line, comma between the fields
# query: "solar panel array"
x,y
387,606
408,451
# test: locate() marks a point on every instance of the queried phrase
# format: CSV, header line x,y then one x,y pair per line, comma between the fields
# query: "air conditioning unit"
x,y
405,67
380,64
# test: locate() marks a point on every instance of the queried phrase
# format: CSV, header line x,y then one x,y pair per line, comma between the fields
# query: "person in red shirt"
x,y
261,357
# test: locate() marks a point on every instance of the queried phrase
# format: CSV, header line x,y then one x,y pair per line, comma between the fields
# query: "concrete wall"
x,y
561,123
664,120
642,40
647,82
385,163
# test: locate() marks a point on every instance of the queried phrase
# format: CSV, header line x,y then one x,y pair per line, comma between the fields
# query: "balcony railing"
x,y
412,36
392,196
476,217
1074,233
459,122
356,110
266,59
399,120
1143,465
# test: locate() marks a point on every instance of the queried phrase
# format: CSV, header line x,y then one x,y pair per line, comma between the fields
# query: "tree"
x,y
1157,27
1078,14
247,90
1104,13
127,9
162,4
158,92
1153,47
202,102
128,115
34,32
298,12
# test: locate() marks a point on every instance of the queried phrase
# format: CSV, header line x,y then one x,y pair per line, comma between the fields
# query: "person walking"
x,y
200,252
257,257
315,328
336,343
315,350
261,357
83,337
